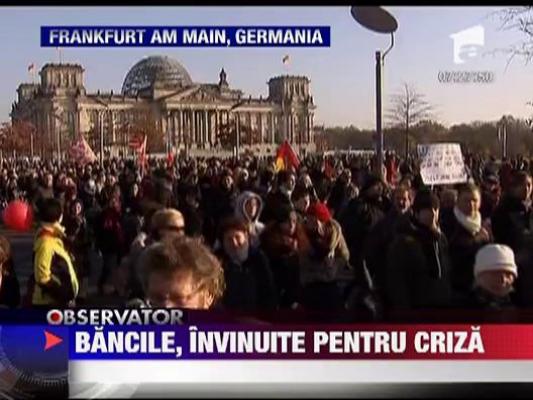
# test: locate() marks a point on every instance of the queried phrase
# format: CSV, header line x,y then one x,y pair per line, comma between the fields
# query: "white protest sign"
x,y
441,163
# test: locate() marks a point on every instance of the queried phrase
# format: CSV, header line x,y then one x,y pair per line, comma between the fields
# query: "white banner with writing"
x,y
441,163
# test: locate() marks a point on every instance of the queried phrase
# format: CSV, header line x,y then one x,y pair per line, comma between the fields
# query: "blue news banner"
x,y
185,36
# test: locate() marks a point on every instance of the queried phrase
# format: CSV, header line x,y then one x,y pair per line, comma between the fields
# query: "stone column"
x,y
292,127
193,127
174,127
261,131
217,126
180,127
206,131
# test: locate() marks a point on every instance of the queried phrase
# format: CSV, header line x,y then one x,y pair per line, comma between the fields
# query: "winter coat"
x,y
110,236
357,220
512,224
282,253
377,244
418,268
327,267
255,227
463,247
250,285
78,243
275,201
9,287
479,298
54,277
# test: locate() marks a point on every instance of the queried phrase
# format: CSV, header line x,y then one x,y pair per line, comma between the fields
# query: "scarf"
x,y
472,225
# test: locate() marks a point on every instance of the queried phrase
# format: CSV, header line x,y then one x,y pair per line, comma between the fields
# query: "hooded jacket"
x,y
255,226
55,278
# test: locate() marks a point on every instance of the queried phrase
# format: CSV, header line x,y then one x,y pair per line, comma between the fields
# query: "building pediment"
x,y
196,94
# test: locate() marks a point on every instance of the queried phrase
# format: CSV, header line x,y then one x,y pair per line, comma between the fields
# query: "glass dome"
x,y
161,70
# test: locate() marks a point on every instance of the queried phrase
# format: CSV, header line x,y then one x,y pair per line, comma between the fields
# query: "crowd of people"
x,y
328,236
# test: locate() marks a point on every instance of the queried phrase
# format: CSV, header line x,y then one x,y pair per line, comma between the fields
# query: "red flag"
x,y
286,157
328,169
171,156
135,142
141,151
81,152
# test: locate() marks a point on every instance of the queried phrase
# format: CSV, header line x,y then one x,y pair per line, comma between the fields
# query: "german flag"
x,y
286,157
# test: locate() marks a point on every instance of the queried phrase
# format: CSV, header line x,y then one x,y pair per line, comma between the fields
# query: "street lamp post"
x,y
378,20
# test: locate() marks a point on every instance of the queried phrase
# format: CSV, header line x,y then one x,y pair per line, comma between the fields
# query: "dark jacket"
x,y
463,248
337,197
78,243
194,220
377,244
109,232
418,268
447,221
249,286
480,299
488,205
512,224
358,219
9,288
274,201
284,262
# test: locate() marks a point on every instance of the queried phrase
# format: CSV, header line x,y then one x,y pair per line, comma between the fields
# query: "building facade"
x,y
189,116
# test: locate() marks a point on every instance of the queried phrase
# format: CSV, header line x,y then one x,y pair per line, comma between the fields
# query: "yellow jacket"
x,y
55,278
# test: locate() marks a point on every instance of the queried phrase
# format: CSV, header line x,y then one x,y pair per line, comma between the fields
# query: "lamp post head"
x,y
375,18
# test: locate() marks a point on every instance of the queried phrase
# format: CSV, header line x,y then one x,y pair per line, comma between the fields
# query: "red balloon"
x,y
18,215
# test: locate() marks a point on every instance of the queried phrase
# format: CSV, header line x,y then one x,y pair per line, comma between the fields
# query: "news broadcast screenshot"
x,y
266,201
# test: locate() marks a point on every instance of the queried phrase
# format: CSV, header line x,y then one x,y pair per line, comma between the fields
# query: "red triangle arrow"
x,y
51,340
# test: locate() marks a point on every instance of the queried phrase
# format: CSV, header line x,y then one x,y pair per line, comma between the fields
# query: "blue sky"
x,y
342,76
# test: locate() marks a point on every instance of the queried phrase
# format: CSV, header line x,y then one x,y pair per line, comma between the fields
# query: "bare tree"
x,y
516,19
408,108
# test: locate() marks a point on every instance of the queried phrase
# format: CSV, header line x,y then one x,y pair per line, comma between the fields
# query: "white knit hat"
x,y
495,257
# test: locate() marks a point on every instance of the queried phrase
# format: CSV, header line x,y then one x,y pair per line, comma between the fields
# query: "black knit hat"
x,y
425,199
283,212
370,181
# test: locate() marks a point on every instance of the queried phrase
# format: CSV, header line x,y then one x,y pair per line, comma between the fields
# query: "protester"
x,y
490,196
55,281
280,242
180,272
301,198
290,217
495,272
466,236
339,195
193,213
78,243
326,259
111,241
279,197
418,265
361,216
382,235
9,284
512,224
248,208
249,280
